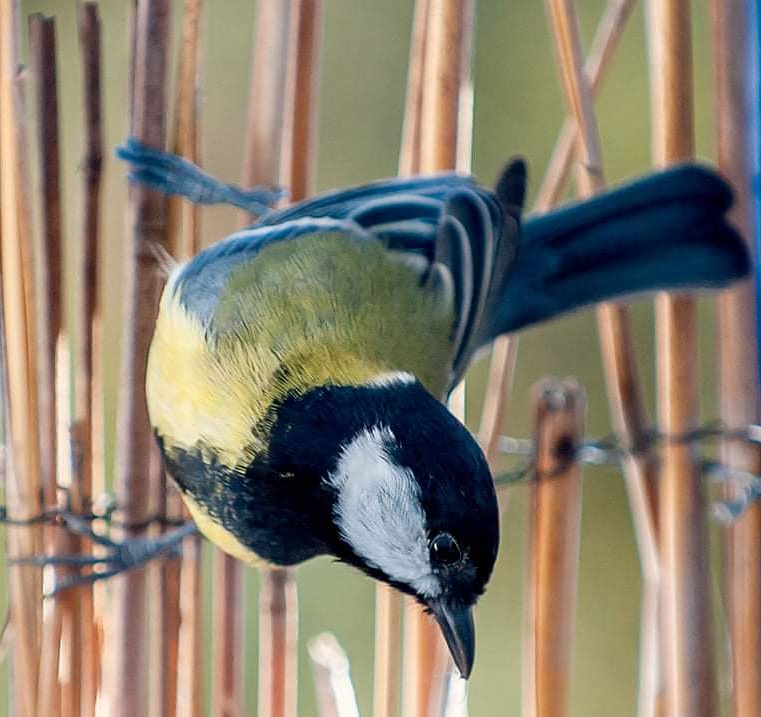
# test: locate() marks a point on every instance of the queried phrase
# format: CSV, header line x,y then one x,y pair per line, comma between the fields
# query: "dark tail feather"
x,y
666,231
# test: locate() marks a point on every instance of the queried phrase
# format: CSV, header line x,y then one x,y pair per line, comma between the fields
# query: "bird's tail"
x,y
666,231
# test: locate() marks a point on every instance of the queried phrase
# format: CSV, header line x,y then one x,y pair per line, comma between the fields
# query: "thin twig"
x,y
553,550
685,597
736,97
147,225
624,382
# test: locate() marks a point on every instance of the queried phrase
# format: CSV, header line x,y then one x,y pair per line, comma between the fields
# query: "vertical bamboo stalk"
x,y
553,548
445,110
134,462
278,612
42,49
686,605
182,611
409,159
87,317
737,114
22,456
387,600
387,652
625,388
262,165
190,693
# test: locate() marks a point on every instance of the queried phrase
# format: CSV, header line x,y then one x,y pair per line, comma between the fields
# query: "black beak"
x,y
460,634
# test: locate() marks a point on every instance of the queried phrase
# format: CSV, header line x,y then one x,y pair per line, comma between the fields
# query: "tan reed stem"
x,y
87,317
388,620
387,600
409,159
267,95
609,32
626,396
22,420
190,691
299,146
332,679
445,110
736,134
136,447
278,610
553,548
182,241
178,686
499,386
278,633
264,138
685,596
42,50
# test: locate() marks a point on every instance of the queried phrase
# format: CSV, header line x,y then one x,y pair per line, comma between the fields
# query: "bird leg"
x,y
170,174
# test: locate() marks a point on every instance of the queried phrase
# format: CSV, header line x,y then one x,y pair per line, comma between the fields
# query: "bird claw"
x,y
119,557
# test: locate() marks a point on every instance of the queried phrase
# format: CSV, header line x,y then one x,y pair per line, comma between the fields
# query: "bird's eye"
x,y
444,549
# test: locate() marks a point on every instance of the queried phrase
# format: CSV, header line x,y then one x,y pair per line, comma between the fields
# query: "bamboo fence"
x,y
137,644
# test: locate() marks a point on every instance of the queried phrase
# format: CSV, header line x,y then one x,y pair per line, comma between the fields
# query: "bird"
x,y
298,373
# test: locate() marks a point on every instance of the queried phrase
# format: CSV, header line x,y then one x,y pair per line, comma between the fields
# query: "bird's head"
x,y
411,497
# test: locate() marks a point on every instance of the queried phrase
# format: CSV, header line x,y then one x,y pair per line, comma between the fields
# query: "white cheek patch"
x,y
379,514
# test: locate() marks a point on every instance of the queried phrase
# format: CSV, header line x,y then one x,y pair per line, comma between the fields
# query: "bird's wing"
x,y
446,224
476,241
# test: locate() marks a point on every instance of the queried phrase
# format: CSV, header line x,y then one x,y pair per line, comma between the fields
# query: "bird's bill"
x,y
460,634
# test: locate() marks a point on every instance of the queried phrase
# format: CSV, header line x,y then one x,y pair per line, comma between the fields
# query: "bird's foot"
x,y
171,174
117,556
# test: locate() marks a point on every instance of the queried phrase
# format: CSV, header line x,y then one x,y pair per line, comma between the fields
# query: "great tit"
x,y
298,369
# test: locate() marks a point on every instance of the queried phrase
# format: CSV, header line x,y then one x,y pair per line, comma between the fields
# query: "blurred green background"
x,y
518,108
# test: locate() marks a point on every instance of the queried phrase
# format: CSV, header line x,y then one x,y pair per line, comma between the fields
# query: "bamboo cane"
x,y
445,109
183,613
553,548
736,97
19,315
387,600
685,597
625,389
278,613
332,679
42,48
128,679
262,165
84,434
183,240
